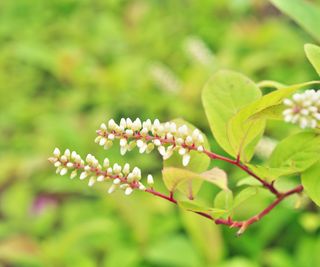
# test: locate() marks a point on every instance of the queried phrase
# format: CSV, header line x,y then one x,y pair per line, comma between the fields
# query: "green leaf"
x,y
223,96
270,84
189,182
311,182
313,54
245,127
185,181
216,176
197,207
306,14
249,180
296,152
269,173
244,195
224,200
199,162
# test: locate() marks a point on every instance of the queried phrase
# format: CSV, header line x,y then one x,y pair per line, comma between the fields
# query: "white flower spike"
x,y
120,177
303,109
167,137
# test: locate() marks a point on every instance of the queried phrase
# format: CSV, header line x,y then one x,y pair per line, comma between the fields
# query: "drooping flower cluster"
x,y
166,137
121,177
265,147
198,50
165,78
303,109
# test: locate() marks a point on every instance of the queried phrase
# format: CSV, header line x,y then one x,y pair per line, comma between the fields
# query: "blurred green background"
x,y
68,65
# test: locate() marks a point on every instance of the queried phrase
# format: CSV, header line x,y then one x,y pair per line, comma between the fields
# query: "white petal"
x,y
92,180
185,159
63,171
103,126
56,152
128,191
112,188
150,180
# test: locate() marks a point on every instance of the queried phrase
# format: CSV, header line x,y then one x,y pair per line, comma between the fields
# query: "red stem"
x,y
242,225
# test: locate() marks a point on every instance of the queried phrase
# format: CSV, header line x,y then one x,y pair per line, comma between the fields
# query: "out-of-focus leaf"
x,y
197,207
270,84
244,195
248,181
20,250
186,181
206,236
216,176
224,201
311,182
306,14
167,252
189,182
313,54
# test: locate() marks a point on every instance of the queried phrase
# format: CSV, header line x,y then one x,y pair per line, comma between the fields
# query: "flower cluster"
x,y
165,78
198,50
121,177
166,137
303,109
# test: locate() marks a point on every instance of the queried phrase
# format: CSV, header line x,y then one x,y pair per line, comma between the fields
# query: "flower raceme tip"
x,y
146,136
303,109
121,177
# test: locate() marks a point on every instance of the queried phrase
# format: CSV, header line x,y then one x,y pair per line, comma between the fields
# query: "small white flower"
x,y
128,191
57,164
185,159
116,168
92,180
102,141
63,158
129,123
303,109
56,152
182,151
123,123
67,153
162,150
73,174
117,181
129,132
103,126
123,142
189,140
63,171
83,175
111,136
69,165
100,178
141,187
200,148
111,124
150,180
112,188
157,142
106,163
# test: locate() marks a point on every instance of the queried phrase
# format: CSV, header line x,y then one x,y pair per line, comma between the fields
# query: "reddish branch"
x,y
242,225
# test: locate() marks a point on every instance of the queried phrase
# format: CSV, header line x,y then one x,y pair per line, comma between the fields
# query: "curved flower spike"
x,y
167,137
121,177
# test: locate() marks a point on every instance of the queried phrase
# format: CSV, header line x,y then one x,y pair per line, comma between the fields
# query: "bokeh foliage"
x,y
67,65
